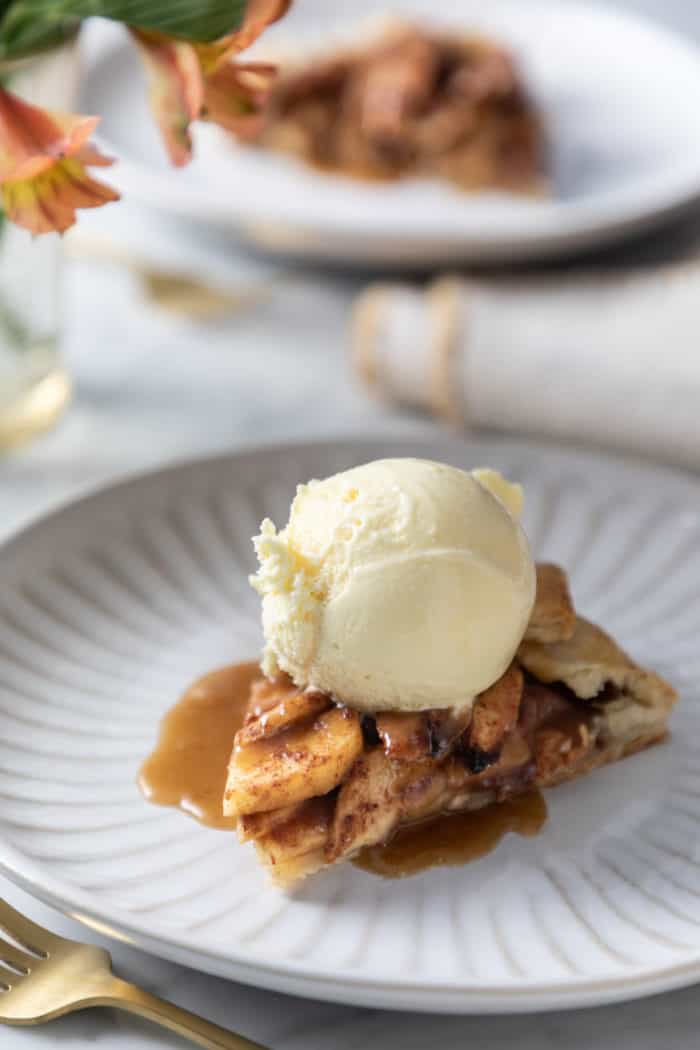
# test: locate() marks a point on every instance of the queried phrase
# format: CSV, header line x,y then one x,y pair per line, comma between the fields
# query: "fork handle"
x,y
133,1000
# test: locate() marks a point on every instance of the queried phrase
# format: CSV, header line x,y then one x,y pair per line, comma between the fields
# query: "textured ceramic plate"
x,y
621,156
111,606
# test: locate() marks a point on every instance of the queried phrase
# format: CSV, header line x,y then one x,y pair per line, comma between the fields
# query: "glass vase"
x,y
34,385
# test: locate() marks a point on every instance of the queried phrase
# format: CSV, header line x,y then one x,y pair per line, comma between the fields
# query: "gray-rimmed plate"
x,y
112,605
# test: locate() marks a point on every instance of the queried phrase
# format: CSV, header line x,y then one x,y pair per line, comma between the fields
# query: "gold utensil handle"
x,y
134,1000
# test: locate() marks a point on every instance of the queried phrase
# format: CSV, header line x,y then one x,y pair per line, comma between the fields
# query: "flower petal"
x,y
23,205
76,131
176,87
48,202
28,133
234,95
258,15
89,154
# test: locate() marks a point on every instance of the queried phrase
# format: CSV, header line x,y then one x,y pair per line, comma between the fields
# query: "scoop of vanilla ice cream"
x,y
399,585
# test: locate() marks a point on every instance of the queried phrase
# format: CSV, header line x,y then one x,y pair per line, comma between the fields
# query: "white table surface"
x,y
152,389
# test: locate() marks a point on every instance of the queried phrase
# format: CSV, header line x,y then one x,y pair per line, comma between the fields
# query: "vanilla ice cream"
x,y
399,585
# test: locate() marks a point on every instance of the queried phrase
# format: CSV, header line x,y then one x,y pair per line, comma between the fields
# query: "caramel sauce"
x,y
454,839
188,767
188,770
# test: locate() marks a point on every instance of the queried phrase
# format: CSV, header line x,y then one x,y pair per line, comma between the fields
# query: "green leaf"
x,y
32,25
37,37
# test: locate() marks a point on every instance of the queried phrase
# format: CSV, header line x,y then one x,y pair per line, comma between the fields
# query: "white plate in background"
x,y
619,96
110,607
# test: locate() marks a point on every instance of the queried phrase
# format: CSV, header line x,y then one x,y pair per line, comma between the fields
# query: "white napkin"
x,y
611,358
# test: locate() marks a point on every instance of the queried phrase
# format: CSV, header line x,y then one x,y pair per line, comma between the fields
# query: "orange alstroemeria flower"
x,y
201,81
43,166
176,88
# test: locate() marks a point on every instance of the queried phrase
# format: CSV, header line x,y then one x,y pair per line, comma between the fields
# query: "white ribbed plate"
x,y
111,606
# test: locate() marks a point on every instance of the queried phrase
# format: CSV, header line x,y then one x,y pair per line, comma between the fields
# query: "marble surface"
x,y
150,389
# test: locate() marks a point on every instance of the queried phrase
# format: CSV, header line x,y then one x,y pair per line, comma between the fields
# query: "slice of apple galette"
x,y
312,781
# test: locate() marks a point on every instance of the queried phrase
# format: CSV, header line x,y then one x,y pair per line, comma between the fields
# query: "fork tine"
x,y
26,933
13,957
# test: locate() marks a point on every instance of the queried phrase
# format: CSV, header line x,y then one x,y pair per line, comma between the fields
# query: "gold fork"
x,y
49,976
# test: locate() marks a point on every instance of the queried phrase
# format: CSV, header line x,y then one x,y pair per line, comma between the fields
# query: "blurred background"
x,y
249,297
